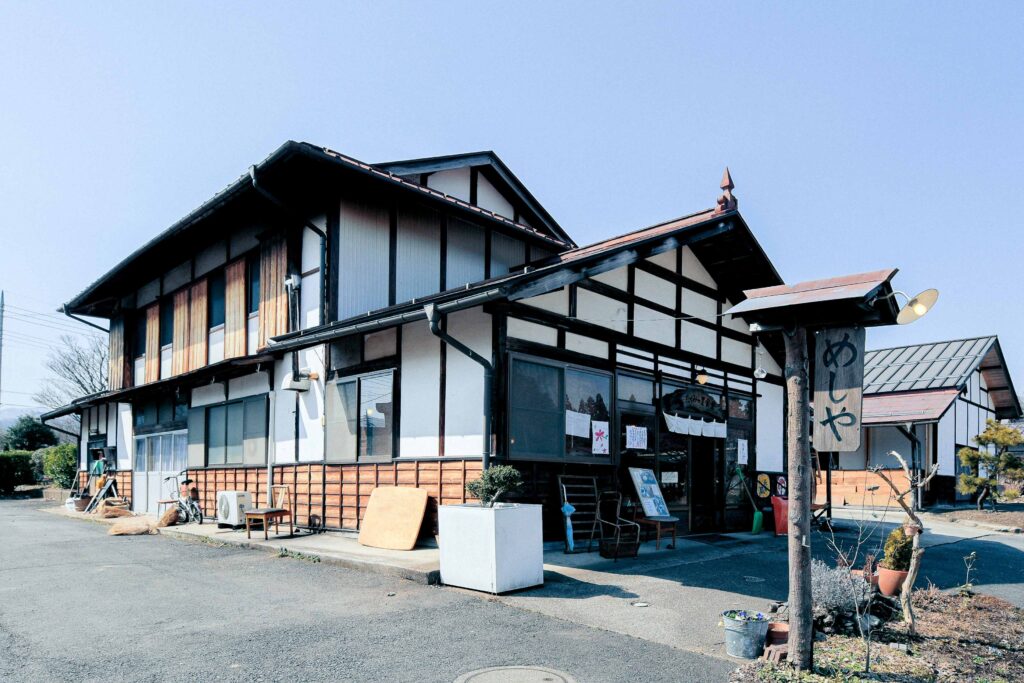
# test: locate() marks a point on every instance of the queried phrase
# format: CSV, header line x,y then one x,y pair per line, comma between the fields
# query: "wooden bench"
x,y
281,496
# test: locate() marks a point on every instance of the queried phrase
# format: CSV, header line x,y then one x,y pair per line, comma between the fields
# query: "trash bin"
x,y
780,512
744,633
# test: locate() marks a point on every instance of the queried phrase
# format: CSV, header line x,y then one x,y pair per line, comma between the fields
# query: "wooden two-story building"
x,y
279,331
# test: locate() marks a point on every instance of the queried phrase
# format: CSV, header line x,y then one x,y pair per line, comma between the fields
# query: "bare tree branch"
x,y
77,369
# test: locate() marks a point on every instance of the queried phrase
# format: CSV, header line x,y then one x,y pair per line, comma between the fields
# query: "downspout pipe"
x,y
434,319
64,310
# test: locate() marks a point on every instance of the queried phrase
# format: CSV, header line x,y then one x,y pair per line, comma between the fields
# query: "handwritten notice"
x,y
838,388
577,424
742,453
636,437
599,438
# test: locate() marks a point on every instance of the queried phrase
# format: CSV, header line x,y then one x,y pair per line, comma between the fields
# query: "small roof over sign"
x,y
911,406
861,299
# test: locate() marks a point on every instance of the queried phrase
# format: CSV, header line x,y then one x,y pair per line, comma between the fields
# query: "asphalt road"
x,y
78,605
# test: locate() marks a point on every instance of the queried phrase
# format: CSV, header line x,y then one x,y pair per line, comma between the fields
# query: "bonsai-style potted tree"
x,y
492,546
895,566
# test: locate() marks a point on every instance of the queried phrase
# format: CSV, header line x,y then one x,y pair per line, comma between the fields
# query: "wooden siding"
x,y
116,362
197,326
179,341
850,487
153,343
273,299
341,492
234,309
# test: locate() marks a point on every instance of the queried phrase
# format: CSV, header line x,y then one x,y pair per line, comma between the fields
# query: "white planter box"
x,y
494,550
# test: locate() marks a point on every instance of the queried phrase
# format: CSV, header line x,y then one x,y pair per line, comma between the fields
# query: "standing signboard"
x,y
838,388
649,492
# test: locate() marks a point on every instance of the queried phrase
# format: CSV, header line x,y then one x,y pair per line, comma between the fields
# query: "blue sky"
x,y
859,136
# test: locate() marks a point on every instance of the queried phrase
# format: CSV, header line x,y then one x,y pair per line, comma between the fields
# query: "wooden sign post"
x,y
838,388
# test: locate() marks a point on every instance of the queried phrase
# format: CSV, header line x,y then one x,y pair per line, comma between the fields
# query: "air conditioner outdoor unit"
x,y
231,507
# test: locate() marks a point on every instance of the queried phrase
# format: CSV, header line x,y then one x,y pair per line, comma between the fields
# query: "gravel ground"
x,y
78,605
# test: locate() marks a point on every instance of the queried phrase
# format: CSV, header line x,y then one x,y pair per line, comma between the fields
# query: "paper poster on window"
x,y
670,477
742,453
577,424
599,439
636,437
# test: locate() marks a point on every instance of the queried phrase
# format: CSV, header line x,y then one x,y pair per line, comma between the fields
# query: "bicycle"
x,y
188,508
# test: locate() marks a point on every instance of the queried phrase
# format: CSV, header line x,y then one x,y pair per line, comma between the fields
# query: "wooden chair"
x,y
619,536
660,523
282,499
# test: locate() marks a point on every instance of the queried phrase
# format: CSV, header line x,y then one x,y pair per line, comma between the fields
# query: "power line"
x,y
58,327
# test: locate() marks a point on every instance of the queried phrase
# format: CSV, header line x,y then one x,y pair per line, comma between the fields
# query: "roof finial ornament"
x,y
727,202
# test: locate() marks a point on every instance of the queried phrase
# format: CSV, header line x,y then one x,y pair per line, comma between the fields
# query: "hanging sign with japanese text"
x,y
838,388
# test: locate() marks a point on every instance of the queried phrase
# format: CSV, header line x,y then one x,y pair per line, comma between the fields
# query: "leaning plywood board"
x,y
393,518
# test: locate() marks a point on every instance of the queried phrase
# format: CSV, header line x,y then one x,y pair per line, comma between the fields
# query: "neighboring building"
x,y
282,322
940,395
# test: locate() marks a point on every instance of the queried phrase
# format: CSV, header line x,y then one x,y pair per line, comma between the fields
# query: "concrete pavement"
x,y
77,604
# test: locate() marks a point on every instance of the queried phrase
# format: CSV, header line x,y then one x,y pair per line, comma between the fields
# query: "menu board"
x,y
649,492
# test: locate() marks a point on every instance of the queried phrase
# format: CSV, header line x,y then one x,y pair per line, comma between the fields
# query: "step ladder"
x,y
109,490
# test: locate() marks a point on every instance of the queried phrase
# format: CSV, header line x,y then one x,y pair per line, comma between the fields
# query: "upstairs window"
x,y
139,341
216,299
254,285
166,322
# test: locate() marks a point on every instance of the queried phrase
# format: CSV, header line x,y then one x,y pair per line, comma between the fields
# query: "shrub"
x,y
836,590
15,470
60,464
898,550
494,483
1010,492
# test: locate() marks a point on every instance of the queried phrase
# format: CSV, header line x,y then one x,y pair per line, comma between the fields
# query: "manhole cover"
x,y
516,674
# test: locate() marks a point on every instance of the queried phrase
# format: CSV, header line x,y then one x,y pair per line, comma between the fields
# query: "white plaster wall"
x,y
885,439
454,182
148,293
244,239
125,442
283,412
618,278
488,197
962,431
111,427
666,259
364,258
769,425
83,442
946,444
252,334
248,385
654,326
542,334
694,269
464,389
309,301
654,288
587,345
420,391
165,362
139,372
699,339
600,310
736,352
177,277
211,257
556,302
208,394
700,306
311,407
216,345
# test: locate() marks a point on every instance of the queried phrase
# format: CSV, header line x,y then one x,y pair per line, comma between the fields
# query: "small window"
x,y
166,322
360,417
140,334
217,299
233,442
635,389
536,413
586,401
234,427
216,435
254,284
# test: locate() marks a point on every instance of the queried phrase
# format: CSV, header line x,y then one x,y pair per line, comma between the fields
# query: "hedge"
x,y
60,464
15,470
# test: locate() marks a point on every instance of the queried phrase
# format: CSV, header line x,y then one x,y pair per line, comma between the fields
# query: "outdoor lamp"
x,y
916,306
702,376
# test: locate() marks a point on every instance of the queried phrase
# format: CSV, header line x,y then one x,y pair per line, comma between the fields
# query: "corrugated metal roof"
x,y
936,365
914,406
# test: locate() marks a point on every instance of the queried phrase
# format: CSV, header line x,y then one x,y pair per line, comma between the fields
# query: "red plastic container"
x,y
780,510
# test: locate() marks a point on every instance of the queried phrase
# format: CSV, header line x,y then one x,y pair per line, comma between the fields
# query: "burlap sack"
x,y
169,518
112,511
132,527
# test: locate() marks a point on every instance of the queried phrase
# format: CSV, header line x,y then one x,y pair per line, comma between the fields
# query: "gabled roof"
x,y
497,173
943,365
721,241
299,163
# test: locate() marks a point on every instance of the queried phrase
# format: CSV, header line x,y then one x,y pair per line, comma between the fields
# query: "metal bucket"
x,y
744,638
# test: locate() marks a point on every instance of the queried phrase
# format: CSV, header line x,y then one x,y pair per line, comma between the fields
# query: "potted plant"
x,y
894,567
491,546
745,633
